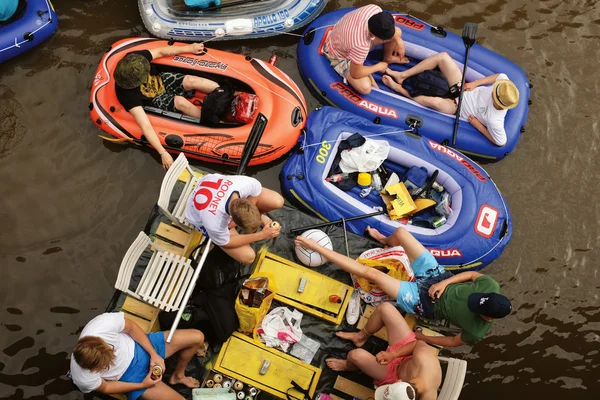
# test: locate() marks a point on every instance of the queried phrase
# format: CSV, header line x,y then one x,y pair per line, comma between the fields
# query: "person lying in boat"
x,y
469,300
139,84
219,203
350,41
113,355
484,106
406,370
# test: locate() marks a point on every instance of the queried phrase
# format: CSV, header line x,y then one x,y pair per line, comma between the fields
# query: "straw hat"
x,y
132,71
505,93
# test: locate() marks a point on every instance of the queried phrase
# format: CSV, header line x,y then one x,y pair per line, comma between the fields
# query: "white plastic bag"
x,y
366,158
280,328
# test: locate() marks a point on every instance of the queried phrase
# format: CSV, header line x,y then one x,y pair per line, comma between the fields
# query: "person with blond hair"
x,y
113,355
219,203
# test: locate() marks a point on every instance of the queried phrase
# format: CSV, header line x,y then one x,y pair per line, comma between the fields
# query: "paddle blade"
x,y
116,140
469,33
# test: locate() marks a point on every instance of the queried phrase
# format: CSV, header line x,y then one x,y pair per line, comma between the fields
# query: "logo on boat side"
x,y
194,62
271,18
486,221
445,253
362,103
408,23
460,159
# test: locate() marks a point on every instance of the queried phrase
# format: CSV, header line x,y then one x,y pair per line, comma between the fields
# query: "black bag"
x,y
430,83
216,104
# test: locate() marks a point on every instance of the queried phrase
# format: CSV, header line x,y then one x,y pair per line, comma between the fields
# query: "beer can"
x,y
238,385
218,378
156,372
217,386
241,395
438,221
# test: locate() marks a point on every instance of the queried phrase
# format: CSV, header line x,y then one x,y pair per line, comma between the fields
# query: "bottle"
x,y
334,298
337,177
437,187
156,372
438,221
365,192
376,182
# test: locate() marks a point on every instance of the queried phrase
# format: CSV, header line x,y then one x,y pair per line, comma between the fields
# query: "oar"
x,y
247,153
469,36
339,221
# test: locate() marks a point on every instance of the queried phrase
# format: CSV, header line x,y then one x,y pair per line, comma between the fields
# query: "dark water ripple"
x,y
60,184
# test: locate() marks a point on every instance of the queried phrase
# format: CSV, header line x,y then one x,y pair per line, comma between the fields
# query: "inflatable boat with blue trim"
x,y
34,22
475,233
227,19
390,108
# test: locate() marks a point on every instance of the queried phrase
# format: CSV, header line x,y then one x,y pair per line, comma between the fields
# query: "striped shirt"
x,y
350,37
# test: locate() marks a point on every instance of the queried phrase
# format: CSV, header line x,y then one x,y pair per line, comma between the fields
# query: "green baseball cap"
x,y
132,71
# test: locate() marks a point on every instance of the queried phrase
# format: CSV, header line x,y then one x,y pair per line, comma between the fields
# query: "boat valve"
x,y
273,59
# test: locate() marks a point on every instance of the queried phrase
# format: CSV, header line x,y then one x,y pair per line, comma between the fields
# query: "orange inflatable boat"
x,y
280,116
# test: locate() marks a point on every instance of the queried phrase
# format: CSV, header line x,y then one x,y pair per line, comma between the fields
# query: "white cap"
x,y
395,391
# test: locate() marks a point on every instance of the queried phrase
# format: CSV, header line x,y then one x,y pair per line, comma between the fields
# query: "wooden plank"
x,y
382,334
172,233
334,397
369,310
142,323
353,389
139,308
194,239
170,247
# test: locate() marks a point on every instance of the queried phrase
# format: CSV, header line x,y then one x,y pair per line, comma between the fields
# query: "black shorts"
x,y
173,83
425,308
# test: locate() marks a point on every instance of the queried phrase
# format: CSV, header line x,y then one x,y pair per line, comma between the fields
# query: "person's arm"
x,y
385,357
267,232
142,120
194,48
488,80
436,290
473,120
358,71
137,334
444,341
394,50
116,387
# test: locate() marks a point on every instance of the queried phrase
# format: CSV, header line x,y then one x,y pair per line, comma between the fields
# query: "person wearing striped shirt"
x,y
351,39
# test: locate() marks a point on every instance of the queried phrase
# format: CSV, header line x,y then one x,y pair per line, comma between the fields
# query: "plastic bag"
x,y
213,394
243,108
280,328
250,317
394,259
366,158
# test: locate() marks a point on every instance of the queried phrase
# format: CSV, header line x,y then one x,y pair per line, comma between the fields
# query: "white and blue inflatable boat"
x,y
475,233
33,22
194,20
422,40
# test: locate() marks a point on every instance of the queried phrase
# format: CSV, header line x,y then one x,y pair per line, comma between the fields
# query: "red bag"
x,y
243,108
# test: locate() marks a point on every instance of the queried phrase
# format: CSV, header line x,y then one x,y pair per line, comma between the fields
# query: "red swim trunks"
x,y
391,375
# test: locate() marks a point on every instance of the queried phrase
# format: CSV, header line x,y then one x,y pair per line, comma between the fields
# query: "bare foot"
x,y
375,234
338,365
184,380
389,82
358,338
405,60
397,75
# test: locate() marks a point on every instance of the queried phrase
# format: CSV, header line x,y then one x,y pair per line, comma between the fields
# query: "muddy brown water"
x,y
70,204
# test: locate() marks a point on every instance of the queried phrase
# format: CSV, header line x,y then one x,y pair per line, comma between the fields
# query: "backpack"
x,y
216,104
429,83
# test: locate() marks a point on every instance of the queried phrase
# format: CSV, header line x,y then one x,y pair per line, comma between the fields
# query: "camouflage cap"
x,y
132,71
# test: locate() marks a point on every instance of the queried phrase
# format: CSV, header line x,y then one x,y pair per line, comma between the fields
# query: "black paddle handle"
x,y
339,221
460,97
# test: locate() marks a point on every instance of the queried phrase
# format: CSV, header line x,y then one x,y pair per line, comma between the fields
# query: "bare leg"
x,y
388,315
186,107
244,254
400,237
268,200
359,359
161,392
191,82
445,106
362,85
186,342
441,60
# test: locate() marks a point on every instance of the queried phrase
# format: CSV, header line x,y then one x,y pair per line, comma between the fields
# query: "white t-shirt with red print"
x,y
208,205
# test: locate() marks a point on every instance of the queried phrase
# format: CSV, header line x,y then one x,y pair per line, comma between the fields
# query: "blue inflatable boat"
x,y
475,233
34,22
422,40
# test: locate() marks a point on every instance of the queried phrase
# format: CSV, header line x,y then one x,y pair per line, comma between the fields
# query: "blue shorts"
x,y
425,266
140,365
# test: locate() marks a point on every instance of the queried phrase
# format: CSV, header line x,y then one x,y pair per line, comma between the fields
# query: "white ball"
x,y
311,258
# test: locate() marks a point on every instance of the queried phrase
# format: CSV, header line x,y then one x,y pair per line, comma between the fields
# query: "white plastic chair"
x,y
454,379
165,280
166,191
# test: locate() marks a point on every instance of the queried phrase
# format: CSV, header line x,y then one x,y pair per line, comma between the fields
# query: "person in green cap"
x,y
139,84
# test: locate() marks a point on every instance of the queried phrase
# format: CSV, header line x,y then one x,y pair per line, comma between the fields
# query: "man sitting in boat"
x,y
219,203
139,84
350,41
469,300
483,106
407,366
113,355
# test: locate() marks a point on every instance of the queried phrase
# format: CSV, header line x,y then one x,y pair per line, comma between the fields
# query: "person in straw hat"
x,y
138,83
484,106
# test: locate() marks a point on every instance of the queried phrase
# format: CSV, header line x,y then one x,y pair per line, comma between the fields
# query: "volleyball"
x,y
311,258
